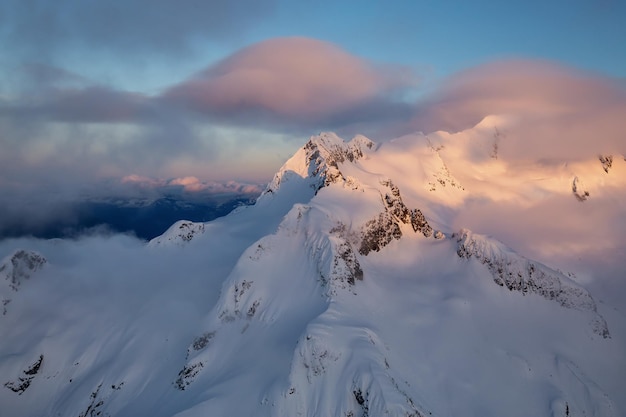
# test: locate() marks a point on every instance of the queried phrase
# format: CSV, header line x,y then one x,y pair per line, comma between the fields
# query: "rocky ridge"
x,y
179,234
318,160
522,275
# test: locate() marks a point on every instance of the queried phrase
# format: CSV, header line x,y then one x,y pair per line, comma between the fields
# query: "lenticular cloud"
x,y
296,77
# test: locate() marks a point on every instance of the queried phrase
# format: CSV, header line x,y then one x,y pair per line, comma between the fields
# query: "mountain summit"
x,y
346,290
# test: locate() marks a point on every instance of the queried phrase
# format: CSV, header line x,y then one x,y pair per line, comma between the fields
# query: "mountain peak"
x,y
318,161
178,234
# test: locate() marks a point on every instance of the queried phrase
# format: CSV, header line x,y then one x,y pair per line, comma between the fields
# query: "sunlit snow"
x,y
404,278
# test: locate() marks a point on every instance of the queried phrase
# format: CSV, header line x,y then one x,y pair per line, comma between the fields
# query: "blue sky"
x,y
102,91
447,36
436,38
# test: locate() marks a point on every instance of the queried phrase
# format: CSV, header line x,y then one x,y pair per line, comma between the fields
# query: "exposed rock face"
x,y
442,177
325,153
187,374
98,400
345,267
236,309
374,390
606,161
379,232
21,266
319,160
578,190
180,233
517,273
23,381
16,269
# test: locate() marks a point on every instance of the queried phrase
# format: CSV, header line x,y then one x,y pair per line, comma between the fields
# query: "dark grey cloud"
x,y
43,92
42,27
39,77
73,129
81,105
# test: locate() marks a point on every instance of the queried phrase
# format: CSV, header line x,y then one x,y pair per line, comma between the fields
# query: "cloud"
x,y
40,27
562,113
553,228
552,123
191,184
290,79
92,104
62,129
63,210
283,84
42,92
35,78
142,181
61,123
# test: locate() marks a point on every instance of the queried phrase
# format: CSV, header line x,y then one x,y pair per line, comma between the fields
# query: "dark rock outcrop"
x,y
379,232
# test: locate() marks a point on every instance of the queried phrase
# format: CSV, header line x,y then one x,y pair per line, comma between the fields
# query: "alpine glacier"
x,y
349,289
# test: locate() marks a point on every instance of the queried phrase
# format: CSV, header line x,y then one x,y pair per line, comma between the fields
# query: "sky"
x,y
98,96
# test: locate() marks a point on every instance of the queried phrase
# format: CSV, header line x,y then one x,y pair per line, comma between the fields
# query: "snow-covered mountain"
x,y
349,289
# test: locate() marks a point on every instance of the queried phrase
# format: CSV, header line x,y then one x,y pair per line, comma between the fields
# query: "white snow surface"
x,y
347,290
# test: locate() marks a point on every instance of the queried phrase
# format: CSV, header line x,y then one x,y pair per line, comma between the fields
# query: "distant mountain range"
x,y
144,218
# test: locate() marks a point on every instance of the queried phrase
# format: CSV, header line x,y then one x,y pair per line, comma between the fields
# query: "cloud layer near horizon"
x,y
242,116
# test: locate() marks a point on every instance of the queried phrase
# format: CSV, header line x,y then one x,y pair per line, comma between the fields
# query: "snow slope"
x,y
348,289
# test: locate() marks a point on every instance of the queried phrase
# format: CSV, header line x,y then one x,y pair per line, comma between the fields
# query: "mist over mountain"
x,y
429,275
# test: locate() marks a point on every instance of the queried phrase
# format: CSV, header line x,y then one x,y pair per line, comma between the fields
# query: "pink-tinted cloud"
x,y
562,113
289,77
192,184
189,183
553,228
142,181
